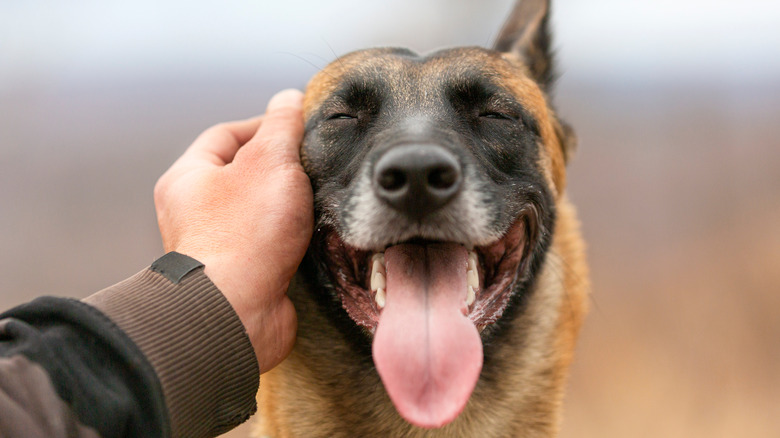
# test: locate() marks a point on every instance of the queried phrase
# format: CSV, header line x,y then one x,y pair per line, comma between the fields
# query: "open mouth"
x,y
425,303
490,270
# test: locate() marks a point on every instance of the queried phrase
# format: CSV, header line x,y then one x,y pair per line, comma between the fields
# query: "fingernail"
x,y
286,98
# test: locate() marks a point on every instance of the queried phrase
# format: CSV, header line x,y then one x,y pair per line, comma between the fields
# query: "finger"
x,y
279,138
218,145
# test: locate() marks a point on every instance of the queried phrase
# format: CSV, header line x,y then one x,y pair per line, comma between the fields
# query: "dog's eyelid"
x,y
336,109
341,116
501,108
497,115
508,108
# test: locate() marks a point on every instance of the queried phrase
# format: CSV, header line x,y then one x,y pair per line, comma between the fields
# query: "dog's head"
x,y
435,181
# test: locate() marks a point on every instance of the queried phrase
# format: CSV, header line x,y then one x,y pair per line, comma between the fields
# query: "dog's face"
x,y
435,181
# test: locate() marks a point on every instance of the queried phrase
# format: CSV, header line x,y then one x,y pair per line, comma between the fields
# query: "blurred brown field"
x,y
677,182
678,192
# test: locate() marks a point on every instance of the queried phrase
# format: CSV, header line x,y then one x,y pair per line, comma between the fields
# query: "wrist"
x,y
259,302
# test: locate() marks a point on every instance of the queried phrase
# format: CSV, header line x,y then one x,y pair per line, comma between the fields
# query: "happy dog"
x,y
446,282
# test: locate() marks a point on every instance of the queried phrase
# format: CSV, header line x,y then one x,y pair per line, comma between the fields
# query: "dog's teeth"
x,y
470,296
380,298
378,281
377,265
472,261
472,276
472,279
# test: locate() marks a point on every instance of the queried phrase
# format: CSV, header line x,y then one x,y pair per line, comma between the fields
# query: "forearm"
x,y
157,354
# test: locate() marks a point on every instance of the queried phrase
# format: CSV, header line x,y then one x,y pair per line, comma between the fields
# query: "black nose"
x,y
417,179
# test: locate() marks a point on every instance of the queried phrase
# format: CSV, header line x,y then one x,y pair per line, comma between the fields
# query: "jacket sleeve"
x,y
160,354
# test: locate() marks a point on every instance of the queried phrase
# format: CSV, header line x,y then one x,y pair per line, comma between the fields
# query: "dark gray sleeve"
x,y
29,405
69,371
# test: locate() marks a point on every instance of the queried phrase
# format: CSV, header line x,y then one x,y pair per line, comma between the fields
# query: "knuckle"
x,y
214,132
218,128
217,133
160,191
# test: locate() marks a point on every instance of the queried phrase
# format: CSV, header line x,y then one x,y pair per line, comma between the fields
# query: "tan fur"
x,y
304,397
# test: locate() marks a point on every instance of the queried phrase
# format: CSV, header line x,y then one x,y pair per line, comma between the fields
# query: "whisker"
x,y
321,58
319,69
335,56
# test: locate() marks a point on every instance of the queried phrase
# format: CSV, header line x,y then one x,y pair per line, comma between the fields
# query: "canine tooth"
x,y
377,266
472,260
378,281
472,278
470,296
377,263
380,297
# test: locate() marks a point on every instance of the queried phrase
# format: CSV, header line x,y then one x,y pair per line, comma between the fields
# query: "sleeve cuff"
x,y
193,339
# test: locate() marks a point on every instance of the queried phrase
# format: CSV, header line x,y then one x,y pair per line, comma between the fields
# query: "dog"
x,y
446,280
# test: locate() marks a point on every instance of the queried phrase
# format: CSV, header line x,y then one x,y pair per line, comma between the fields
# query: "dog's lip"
x,y
500,264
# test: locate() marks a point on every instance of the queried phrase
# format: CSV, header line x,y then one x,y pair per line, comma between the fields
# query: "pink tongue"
x,y
428,354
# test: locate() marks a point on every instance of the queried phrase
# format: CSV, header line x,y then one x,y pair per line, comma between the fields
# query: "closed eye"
x,y
497,115
342,116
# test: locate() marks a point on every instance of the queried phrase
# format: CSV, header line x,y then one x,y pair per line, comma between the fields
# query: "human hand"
x,y
239,202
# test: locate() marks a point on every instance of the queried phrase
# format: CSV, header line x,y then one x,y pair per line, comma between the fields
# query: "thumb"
x,y
278,141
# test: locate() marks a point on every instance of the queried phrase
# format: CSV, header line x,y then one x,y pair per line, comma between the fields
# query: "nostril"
x,y
442,177
392,179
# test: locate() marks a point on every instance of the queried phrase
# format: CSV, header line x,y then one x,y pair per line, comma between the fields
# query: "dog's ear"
x,y
567,139
525,33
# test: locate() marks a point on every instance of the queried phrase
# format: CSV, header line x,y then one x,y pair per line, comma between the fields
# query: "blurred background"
x,y
677,175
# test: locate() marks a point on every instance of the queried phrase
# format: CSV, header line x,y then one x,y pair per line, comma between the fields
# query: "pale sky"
x,y
44,42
